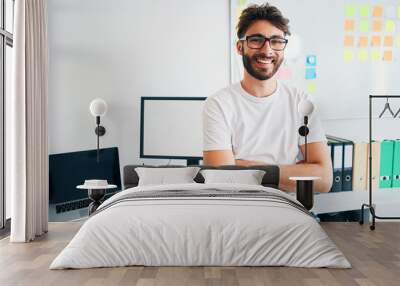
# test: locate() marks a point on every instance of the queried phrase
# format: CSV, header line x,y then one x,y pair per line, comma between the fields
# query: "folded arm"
x,y
319,165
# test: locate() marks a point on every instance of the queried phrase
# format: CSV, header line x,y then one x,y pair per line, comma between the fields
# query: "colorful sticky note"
x,y
349,25
390,26
311,87
311,60
388,41
350,10
377,11
387,56
363,42
348,56
242,2
377,25
398,12
375,55
364,26
348,41
362,55
364,11
311,73
376,41
398,41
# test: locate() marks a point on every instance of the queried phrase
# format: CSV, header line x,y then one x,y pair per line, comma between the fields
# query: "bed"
x,y
198,224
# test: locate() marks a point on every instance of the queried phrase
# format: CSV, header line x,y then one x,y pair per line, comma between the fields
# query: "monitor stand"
x,y
191,162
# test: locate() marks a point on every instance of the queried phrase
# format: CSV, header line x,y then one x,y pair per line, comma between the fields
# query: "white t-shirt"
x,y
258,128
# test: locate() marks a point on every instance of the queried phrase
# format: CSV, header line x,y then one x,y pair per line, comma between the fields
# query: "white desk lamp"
x,y
304,185
98,108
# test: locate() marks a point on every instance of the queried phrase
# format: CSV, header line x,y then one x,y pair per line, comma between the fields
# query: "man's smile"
x,y
263,61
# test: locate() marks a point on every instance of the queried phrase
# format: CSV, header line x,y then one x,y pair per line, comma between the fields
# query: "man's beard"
x,y
260,74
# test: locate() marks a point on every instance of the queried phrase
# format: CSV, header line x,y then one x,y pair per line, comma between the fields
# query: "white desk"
x,y
387,201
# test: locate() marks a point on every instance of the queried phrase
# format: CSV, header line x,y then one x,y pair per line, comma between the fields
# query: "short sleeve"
x,y
216,131
316,131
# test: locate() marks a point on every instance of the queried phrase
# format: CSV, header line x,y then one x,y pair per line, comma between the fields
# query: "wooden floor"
x,y
374,255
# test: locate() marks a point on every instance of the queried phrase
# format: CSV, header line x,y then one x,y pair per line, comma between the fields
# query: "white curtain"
x,y
28,121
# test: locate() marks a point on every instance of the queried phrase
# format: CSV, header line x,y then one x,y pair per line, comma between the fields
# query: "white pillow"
x,y
165,176
248,177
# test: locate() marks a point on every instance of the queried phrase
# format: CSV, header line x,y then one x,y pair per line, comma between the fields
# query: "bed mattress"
x,y
201,225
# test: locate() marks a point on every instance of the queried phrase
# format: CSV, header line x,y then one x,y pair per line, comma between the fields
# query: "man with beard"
x,y
256,121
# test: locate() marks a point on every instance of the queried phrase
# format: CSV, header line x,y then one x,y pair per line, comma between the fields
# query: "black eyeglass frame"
x,y
246,38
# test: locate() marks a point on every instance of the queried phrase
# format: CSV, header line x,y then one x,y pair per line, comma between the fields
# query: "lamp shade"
x,y
98,107
305,107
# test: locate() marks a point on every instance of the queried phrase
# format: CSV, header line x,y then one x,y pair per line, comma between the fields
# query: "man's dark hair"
x,y
262,12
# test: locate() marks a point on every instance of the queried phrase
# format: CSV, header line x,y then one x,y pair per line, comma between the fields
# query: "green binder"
x,y
386,166
396,165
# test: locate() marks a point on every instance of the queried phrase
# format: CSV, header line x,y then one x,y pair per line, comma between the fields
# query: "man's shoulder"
x,y
224,95
292,92
226,92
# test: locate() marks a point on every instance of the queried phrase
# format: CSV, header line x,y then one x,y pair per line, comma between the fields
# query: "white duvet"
x,y
200,231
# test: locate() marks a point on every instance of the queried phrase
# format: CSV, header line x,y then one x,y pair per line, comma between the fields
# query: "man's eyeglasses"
x,y
258,41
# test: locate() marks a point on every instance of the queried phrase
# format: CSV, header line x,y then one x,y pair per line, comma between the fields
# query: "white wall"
x,y
122,50
358,129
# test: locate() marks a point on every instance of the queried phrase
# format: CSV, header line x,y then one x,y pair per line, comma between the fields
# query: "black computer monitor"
x,y
171,128
68,170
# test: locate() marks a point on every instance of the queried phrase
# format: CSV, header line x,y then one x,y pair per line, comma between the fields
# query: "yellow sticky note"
x,y
375,55
311,87
398,41
349,25
398,12
348,41
363,42
364,26
348,56
390,26
350,10
377,11
362,55
377,25
364,11
388,41
376,41
387,56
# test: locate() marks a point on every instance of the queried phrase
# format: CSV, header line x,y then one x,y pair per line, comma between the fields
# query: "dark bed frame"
x,y
270,179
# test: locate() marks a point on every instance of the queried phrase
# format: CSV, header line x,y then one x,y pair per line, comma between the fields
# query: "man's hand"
x,y
218,158
249,163
225,157
319,165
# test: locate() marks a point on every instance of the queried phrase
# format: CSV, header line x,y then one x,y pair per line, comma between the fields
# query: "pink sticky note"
x,y
284,73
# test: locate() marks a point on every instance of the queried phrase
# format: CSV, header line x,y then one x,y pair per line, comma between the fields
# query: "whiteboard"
x,y
172,127
342,37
